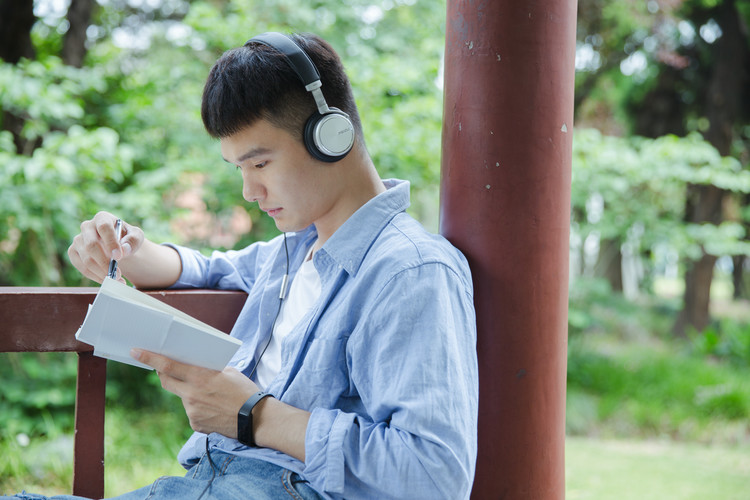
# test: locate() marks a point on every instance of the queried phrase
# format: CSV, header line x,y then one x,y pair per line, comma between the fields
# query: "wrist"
x,y
281,427
246,423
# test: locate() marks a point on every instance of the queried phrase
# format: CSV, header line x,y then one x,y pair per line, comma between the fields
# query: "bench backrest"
x,y
46,319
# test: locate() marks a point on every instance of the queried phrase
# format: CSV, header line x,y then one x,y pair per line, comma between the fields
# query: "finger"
x,y
90,241
168,366
105,227
131,240
95,258
88,259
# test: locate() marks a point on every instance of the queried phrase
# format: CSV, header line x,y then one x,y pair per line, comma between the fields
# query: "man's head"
x,y
257,82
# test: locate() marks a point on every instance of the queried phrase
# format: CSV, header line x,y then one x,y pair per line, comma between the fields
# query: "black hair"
x,y
255,82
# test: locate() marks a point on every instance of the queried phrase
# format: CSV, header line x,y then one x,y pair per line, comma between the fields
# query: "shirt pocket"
x,y
324,354
323,376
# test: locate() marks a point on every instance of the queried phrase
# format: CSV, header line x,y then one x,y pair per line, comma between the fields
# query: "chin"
x,y
286,227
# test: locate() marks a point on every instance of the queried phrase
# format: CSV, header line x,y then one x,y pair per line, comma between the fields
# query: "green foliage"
x,y
727,339
70,171
44,194
137,451
48,94
628,377
634,190
649,390
124,133
38,393
594,307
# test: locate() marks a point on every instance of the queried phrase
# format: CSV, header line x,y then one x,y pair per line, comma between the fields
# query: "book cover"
x,y
122,318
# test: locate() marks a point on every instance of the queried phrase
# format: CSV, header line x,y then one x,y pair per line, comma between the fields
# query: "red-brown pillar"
x,y
505,202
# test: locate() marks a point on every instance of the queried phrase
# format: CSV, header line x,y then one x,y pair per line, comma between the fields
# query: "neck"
x,y
358,183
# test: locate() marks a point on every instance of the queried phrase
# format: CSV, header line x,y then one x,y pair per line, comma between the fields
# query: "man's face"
x,y
278,173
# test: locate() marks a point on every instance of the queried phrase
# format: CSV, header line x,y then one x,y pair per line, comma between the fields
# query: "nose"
x,y
252,190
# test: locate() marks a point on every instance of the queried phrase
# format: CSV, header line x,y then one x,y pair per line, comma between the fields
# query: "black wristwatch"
x,y
245,419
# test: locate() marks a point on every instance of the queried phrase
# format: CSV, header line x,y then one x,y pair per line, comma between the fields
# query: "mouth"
x,y
273,212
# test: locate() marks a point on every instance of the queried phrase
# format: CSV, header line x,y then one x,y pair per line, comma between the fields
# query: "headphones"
x,y
329,133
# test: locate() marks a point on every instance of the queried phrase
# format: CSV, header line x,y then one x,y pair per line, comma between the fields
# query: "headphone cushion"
x,y
329,137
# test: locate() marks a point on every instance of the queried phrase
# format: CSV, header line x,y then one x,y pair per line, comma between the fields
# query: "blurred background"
x,y
99,103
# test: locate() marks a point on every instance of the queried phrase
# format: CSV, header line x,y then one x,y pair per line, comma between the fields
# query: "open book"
x,y
122,318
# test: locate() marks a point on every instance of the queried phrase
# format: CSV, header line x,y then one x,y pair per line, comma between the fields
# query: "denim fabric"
x,y
385,360
234,478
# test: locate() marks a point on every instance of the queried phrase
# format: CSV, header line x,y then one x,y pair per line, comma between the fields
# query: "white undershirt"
x,y
303,293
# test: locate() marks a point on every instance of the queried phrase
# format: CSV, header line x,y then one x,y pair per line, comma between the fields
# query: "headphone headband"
x,y
297,58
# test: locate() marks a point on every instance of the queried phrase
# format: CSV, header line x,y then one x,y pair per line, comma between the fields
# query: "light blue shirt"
x,y
385,360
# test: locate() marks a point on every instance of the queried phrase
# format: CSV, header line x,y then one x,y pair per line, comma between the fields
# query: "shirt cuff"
x,y
192,275
324,449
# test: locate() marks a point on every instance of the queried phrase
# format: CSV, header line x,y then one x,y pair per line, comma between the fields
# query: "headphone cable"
x,y
282,295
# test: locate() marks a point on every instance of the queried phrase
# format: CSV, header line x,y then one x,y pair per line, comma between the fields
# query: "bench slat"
x,y
45,319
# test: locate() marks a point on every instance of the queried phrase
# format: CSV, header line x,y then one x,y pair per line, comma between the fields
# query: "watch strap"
x,y
245,419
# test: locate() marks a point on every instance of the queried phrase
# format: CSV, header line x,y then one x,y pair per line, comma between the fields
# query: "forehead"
x,y
260,138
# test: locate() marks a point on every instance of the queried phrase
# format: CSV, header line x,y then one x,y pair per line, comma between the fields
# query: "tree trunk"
x,y
609,263
703,206
705,202
696,310
16,20
738,277
74,42
741,262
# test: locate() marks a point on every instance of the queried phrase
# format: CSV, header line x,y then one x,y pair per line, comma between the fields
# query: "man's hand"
x,y
211,398
97,243
143,262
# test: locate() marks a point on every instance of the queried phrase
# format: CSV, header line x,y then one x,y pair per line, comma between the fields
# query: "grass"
x,y
655,390
651,416
651,420
604,469
139,447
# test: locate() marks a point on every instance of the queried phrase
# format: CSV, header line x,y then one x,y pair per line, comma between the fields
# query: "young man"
x,y
362,381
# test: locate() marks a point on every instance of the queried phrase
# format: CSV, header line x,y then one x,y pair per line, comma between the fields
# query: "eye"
x,y
261,164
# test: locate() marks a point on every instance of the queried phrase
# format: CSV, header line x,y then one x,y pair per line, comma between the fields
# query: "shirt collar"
x,y
349,244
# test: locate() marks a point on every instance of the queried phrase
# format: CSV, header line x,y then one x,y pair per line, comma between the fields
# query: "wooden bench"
x,y
46,319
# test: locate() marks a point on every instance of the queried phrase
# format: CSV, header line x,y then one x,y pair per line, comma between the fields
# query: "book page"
x,y
118,289
122,318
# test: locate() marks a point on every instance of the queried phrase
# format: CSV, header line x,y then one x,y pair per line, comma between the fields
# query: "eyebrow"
x,y
250,154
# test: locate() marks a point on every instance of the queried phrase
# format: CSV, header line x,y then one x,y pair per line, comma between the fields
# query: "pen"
x,y
113,263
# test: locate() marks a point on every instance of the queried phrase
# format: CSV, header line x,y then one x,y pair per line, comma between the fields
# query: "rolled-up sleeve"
x,y
413,364
232,270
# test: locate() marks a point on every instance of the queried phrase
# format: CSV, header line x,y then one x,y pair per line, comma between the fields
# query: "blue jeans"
x,y
233,477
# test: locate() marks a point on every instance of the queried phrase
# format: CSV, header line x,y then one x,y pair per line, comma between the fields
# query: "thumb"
x,y
131,241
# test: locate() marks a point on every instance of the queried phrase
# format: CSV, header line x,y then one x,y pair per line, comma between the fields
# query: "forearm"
x,y
152,266
281,427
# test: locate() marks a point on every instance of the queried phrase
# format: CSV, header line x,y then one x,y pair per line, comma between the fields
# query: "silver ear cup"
x,y
334,134
329,137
